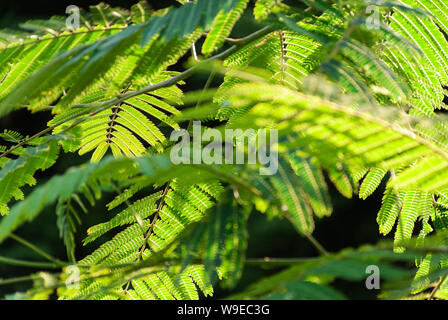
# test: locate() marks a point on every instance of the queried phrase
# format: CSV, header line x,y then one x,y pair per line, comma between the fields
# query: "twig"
x,y
316,244
31,264
167,83
277,262
17,280
311,239
437,287
34,248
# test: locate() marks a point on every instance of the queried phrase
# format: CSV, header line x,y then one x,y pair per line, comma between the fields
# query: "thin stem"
x,y
34,248
17,280
31,264
277,262
316,244
311,239
437,287
227,39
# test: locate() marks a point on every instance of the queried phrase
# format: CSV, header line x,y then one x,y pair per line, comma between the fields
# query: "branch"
x,y
167,83
437,287
277,262
316,244
189,72
34,248
311,239
18,279
31,264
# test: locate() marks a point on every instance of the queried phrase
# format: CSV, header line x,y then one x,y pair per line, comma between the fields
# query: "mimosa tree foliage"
x,y
357,99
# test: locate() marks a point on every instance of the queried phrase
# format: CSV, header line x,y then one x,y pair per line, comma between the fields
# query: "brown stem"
x,y
437,287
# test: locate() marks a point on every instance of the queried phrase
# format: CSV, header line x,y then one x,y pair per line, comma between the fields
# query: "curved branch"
x,y
167,83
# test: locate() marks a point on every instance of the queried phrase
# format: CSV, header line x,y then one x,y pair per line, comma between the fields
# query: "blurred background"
x,y
352,224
